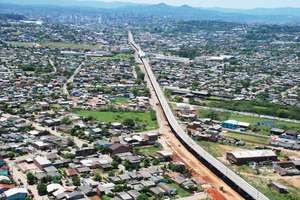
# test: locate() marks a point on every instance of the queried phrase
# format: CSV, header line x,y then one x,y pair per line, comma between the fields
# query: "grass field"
x,y
181,192
213,148
20,44
140,118
149,150
248,138
222,116
123,100
262,185
68,45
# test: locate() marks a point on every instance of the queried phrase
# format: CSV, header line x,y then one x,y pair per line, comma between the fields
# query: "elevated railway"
x,y
233,179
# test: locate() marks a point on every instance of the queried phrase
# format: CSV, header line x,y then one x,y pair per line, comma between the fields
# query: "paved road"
x,y
51,62
19,175
71,79
185,139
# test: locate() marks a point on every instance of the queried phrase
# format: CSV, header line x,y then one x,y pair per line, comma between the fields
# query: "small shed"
x,y
279,188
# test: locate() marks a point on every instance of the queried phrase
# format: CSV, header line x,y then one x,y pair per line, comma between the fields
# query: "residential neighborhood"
x,y
80,117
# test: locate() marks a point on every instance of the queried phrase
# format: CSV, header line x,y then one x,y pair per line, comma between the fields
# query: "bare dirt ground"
x,y
170,142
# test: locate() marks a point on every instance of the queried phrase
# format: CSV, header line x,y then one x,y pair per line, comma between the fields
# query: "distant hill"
x,y
260,15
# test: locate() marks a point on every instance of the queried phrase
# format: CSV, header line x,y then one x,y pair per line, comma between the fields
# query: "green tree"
x,y
128,122
115,164
11,155
42,189
142,197
49,178
30,178
76,180
69,155
97,177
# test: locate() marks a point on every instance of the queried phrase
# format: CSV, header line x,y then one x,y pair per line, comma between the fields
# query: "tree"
x,y
111,173
69,155
115,164
11,155
97,177
76,180
128,122
42,189
65,120
70,141
168,94
145,189
30,178
212,115
127,164
49,178
142,197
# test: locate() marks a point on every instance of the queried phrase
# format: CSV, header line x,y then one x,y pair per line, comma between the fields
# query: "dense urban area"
x,y
79,118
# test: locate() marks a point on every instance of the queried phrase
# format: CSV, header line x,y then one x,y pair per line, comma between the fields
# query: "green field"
x,y
68,45
139,118
20,44
149,150
248,138
213,148
264,129
122,100
181,192
262,185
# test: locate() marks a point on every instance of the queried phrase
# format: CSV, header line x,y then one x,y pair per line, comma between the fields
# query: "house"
x,y
104,188
40,145
134,161
242,157
119,148
49,122
230,124
5,187
151,138
124,196
279,188
291,135
276,131
157,191
42,162
167,188
64,128
134,194
16,194
164,155
71,172
116,125
96,131
44,106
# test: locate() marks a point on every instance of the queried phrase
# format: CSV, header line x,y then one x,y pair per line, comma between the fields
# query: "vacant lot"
x,y
248,138
68,45
139,118
149,150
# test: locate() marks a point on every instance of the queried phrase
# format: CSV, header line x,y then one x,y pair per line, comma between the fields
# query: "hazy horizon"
x,y
237,4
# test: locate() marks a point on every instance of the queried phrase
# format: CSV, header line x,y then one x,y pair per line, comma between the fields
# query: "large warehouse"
x,y
242,157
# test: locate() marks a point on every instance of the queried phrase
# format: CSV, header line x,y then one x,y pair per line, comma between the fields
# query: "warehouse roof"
x,y
253,153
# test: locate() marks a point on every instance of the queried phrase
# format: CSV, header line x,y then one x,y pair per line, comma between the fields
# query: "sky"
x,y
243,4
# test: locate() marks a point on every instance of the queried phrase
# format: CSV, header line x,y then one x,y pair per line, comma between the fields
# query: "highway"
x,y
189,142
